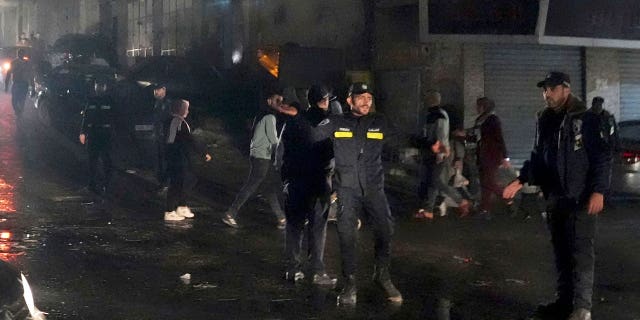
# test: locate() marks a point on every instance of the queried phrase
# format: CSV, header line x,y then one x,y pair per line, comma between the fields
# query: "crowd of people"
x,y
304,157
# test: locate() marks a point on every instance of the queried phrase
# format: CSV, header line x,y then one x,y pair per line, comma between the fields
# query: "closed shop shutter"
x,y
511,75
629,66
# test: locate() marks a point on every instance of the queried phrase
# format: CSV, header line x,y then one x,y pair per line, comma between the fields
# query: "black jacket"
x,y
357,147
582,158
304,158
98,117
180,144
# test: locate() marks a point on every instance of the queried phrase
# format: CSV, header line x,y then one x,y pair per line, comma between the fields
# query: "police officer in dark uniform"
x,y
21,72
161,113
571,162
609,127
306,173
96,132
358,139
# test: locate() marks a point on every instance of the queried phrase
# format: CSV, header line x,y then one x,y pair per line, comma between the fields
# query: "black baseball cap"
x,y
555,78
157,85
360,88
319,92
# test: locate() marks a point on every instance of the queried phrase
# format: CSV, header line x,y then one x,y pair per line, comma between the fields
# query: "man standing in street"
x,y
21,72
306,173
436,160
96,132
571,163
358,139
161,112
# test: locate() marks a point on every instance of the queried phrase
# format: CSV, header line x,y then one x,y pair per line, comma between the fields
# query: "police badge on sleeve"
x,y
577,134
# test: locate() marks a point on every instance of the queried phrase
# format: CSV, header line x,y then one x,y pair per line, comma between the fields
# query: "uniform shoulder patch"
x,y
324,122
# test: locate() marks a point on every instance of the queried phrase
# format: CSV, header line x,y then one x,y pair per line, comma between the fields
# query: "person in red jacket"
x,y
491,152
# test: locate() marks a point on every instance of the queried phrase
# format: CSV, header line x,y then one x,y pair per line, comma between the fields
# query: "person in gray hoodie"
x,y
266,137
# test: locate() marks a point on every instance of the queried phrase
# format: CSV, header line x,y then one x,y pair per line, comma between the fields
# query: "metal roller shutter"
x,y
629,66
511,75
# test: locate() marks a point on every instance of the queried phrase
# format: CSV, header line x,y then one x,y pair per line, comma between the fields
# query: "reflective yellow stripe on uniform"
x,y
375,135
343,134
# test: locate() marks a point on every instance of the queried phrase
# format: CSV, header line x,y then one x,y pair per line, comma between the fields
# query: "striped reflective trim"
x,y
105,107
343,134
375,135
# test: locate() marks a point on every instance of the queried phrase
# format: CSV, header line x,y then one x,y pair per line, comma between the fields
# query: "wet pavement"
x,y
115,258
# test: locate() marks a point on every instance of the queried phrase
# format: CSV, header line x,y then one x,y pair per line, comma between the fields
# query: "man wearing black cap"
x,y
571,162
306,173
358,138
96,131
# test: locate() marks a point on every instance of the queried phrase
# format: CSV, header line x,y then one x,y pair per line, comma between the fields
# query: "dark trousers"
x,y
161,163
99,149
573,235
181,182
19,92
433,182
261,173
374,204
304,202
489,188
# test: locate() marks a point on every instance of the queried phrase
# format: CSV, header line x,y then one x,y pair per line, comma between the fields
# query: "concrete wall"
x,y
603,77
473,75
89,16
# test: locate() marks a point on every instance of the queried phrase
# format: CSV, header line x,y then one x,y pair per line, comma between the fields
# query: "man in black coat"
x,y
571,162
306,173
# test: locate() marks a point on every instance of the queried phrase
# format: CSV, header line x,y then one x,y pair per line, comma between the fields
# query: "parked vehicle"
x,y
62,93
83,49
184,78
626,169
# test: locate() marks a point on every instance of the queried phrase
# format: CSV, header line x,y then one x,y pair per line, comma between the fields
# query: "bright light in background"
x,y
236,56
6,66
5,235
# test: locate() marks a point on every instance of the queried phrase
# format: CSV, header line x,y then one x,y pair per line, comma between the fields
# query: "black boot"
x,y
554,310
349,293
383,279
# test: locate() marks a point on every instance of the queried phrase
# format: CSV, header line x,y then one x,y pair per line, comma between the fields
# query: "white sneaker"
x,y
443,209
185,212
172,216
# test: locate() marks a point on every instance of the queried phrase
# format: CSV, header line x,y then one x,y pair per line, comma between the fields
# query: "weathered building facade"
x,y
400,43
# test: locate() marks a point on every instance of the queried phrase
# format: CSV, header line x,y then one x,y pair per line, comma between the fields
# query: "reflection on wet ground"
x,y
10,177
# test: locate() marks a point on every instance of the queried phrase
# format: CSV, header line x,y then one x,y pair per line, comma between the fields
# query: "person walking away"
x,y
306,172
96,133
436,151
21,74
571,162
491,153
266,136
358,138
180,144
